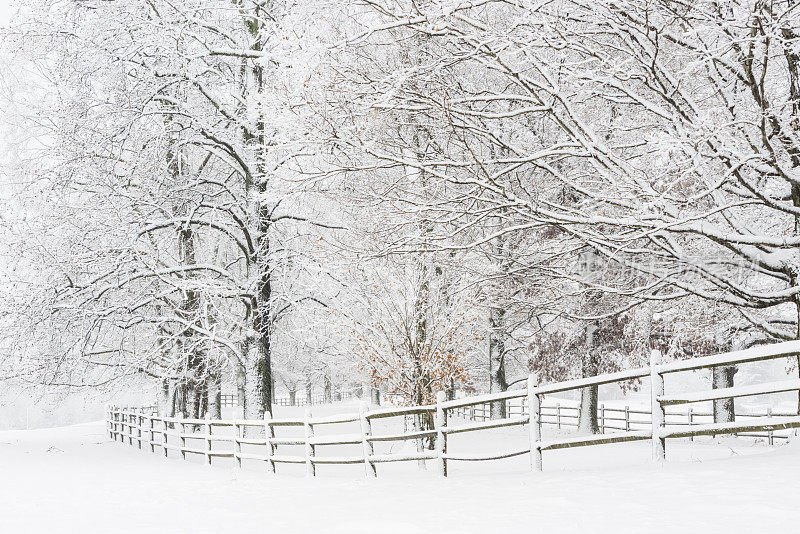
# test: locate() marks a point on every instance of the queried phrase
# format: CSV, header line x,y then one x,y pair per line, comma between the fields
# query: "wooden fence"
x,y
232,400
143,427
612,419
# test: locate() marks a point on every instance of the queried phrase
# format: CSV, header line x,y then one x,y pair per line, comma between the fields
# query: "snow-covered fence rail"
x,y
232,400
616,418
142,427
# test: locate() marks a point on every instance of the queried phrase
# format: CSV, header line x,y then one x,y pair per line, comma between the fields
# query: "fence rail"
x,y
229,400
145,428
610,418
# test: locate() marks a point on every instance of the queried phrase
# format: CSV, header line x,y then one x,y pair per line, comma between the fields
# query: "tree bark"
x,y
375,396
497,366
587,416
327,397
167,398
724,409
214,392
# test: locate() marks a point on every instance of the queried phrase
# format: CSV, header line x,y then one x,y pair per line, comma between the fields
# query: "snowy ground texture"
x,y
73,479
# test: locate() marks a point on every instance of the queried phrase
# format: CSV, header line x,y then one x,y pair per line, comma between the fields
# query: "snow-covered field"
x,y
73,479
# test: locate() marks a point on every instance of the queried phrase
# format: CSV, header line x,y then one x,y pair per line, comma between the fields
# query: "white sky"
x,y
5,11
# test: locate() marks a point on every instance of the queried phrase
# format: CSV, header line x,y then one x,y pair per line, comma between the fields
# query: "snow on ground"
x,y
74,480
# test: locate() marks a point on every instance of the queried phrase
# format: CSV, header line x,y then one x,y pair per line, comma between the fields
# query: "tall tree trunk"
x,y
214,392
180,399
587,416
258,365
309,392
724,409
497,366
292,396
240,387
327,397
193,395
375,396
450,390
166,403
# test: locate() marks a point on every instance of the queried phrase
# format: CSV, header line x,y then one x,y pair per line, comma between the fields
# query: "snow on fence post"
x,y
658,416
129,425
366,432
770,436
558,415
113,418
602,419
237,445
150,433
627,419
165,437
139,423
208,437
310,471
441,436
534,424
269,435
690,416
182,435
107,417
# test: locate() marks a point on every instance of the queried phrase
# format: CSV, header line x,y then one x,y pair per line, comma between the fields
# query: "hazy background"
x,y
20,407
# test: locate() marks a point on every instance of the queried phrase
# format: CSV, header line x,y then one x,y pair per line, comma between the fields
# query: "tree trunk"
x,y
497,367
327,397
375,396
258,365
166,399
214,392
450,390
193,394
292,397
587,417
240,389
180,399
722,377
309,393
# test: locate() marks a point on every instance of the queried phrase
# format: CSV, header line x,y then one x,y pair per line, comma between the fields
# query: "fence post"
x,y
208,438
602,419
112,419
153,419
269,435
691,420
165,437
182,435
627,418
441,436
534,424
237,446
139,423
310,471
366,432
471,412
558,415
657,418
770,436
126,430
129,425
122,425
